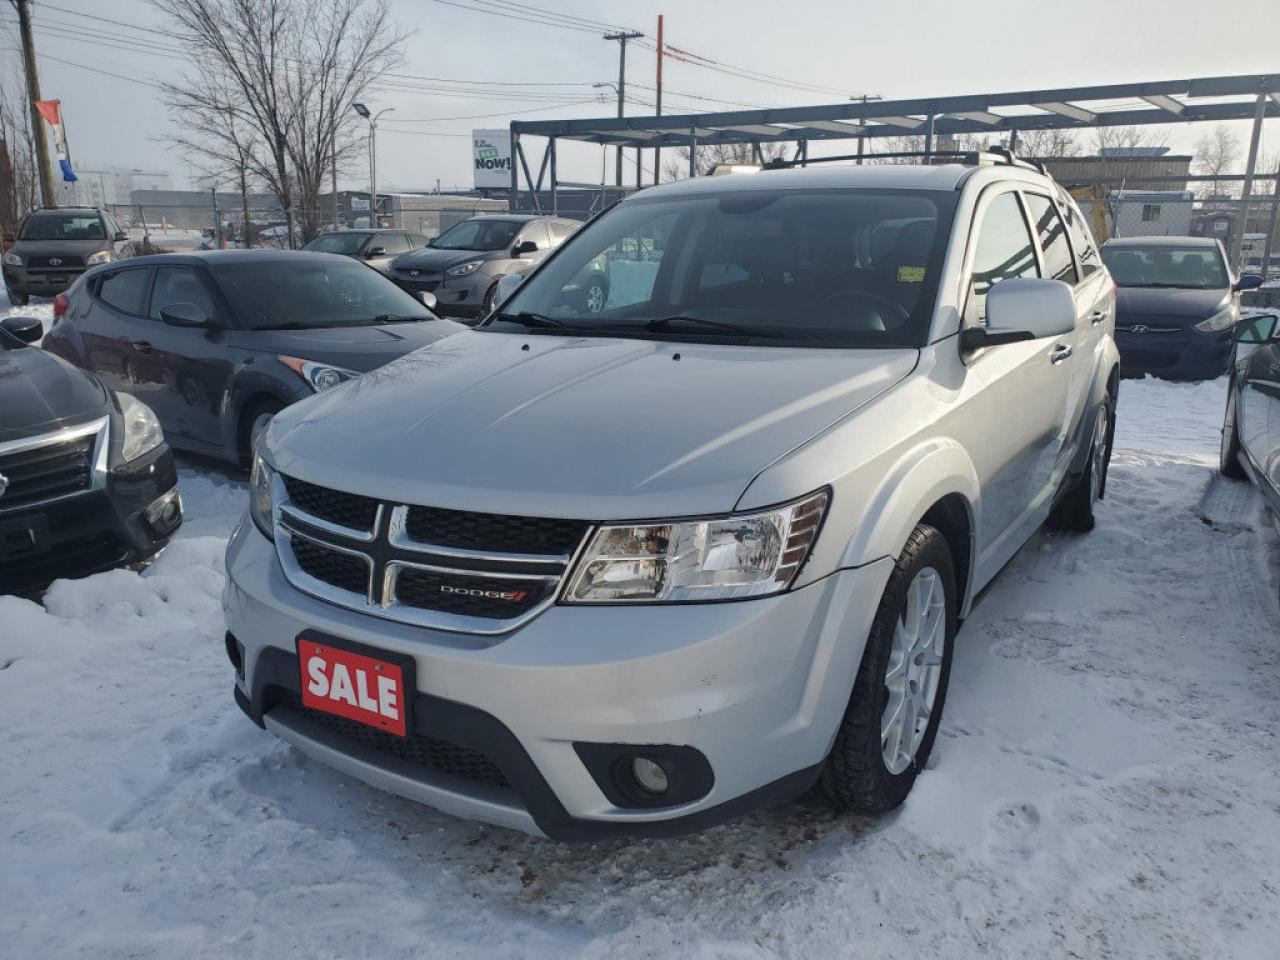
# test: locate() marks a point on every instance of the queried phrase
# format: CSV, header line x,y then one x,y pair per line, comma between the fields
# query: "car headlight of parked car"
x,y
142,432
720,558
13,259
102,256
319,376
1222,320
261,508
464,269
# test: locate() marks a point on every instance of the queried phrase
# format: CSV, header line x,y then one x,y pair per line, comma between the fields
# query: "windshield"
x,y
1198,268
68,226
836,268
290,294
345,243
478,234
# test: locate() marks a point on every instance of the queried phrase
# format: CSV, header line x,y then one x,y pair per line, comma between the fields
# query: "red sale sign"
x,y
354,686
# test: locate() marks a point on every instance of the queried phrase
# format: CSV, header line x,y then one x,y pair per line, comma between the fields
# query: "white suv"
x,y
637,569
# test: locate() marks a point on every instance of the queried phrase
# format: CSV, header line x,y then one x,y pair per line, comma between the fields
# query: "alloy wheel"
x,y
1097,469
915,667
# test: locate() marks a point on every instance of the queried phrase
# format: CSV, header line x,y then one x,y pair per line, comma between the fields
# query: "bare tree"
x,y
1048,144
1216,153
19,183
1122,138
270,91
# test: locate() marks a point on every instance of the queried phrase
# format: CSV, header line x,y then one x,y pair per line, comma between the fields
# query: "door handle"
x,y
1098,316
1060,353
142,346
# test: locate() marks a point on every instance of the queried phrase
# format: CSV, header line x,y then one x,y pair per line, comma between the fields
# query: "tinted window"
x,y
537,232
1086,252
392,244
290,293
125,290
64,226
180,285
560,230
417,240
1003,250
344,243
846,268
479,234
1197,268
1053,238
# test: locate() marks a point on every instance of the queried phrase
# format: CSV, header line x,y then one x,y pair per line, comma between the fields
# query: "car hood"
x,y
428,258
40,393
1170,302
590,428
354,348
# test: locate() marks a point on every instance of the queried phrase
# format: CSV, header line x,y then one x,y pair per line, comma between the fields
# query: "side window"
x,y
1053,238
125,290
537,232
560,231
393,243
180,285
1003,251
1086,252
417,240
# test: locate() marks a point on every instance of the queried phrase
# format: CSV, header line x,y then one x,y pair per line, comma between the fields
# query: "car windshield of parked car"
x,y
832,268
344,243
1197,268
68,226
478,235
290,294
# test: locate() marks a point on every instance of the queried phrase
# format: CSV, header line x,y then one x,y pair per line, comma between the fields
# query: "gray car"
x,y
1251,424
54,247
463,265
216,343
377,248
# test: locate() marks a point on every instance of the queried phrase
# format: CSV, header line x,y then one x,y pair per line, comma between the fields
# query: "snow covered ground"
x,y
1106,785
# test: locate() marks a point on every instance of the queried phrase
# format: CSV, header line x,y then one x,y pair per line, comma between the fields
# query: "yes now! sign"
x,y
491,157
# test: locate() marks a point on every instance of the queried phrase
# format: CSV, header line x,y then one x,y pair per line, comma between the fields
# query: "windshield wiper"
x,y
532,319
737,329
399,318
291,325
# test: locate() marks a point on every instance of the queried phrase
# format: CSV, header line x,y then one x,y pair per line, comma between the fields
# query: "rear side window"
x,y
1004,250
125,290
1058,264
180,285
1086,253
391,243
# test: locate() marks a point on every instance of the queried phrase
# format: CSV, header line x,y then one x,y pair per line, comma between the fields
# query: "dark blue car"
x,y
1177,305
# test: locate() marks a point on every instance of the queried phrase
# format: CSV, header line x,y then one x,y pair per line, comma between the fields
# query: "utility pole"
x,y
622,39
333,168
33,94
1251,166
657,151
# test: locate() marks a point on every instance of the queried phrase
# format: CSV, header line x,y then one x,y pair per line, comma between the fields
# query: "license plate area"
x,y
357,682
24,537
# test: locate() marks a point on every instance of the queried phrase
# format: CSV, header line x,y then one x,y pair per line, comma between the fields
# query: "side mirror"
x,y
184,315
507,285
428,299
375,252
526,246
1249,281
24,330
1023,308
120,237
1260,328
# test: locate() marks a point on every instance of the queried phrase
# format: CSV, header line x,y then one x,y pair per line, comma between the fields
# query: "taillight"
x,y
60,305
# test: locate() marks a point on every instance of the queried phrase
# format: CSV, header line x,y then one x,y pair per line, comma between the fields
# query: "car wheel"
x,y
1229,450
486,305
253,425
892,719
1075,510
595,297
17,299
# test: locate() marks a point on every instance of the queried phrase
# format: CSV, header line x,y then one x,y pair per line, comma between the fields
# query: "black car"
x,y
217,342
86,479
1177,305
1251,425
54,247
377,248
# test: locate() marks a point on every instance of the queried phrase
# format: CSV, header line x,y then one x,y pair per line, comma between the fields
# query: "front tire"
x,y
486,305
1075,510
893,715
17,299
1229,450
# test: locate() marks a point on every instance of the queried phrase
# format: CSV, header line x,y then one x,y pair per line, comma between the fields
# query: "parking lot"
x,y
1104,784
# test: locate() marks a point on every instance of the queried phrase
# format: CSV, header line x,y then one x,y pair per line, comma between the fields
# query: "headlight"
x,y
261,509
1222,320
464,269
319,376
102,256
141,428
750,555
13,259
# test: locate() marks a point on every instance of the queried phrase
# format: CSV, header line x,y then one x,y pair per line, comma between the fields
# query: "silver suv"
x,y
635,570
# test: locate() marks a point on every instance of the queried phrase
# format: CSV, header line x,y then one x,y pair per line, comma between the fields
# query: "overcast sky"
x,y
895,49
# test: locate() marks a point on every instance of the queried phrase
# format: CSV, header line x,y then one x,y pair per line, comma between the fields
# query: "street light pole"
x,y
45,174
361,109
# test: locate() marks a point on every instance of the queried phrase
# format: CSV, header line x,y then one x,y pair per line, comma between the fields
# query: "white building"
x,y
111,186
1151,213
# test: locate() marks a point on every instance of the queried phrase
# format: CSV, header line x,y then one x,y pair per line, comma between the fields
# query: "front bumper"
x,y
88,532
756,687
40,282
455,296
1172,353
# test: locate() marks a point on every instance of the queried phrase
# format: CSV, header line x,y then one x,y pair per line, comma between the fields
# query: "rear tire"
x,y
1075,510
906,666
1229,450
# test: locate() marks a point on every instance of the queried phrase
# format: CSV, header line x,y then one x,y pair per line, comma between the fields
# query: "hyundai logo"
x,y
55,261
1138,328
413,273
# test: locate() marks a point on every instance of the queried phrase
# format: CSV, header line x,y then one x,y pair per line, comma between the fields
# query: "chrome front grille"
x,y
53,466
446,569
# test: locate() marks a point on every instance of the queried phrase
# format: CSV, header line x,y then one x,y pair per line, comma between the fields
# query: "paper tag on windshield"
x,y
911,274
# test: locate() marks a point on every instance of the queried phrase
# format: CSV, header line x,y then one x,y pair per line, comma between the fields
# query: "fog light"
x,y
165,511
649,775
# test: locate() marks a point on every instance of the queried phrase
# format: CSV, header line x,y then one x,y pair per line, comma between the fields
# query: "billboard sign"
x,y
491,156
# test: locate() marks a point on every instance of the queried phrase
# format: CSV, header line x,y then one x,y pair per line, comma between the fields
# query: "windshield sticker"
x,y
911,274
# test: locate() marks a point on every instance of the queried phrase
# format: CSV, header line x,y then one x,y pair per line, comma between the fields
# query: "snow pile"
x,y
1105,784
